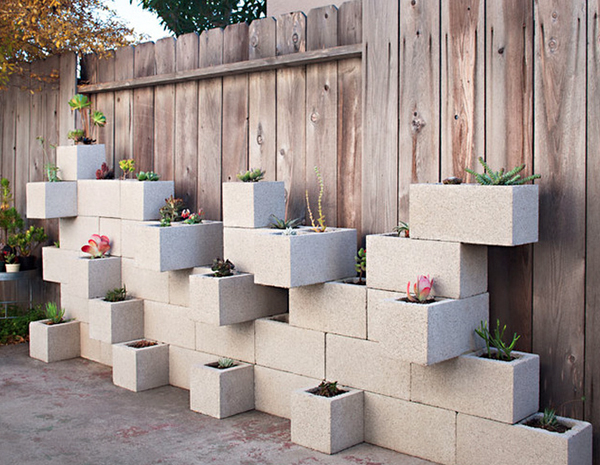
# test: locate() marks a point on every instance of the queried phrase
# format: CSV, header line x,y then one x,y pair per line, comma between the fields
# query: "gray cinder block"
x,y
251,204
79,161
140,369
114,322
142,201
93,277
47,200
181,362
52,343
145,284
169,323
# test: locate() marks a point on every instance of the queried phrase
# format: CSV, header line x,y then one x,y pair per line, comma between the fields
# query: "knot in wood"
x,y
314,117
254,41
552,44
417,125
282,152
259,139
295,37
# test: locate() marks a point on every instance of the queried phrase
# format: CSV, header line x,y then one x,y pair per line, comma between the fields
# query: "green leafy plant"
x,y
501,178
118,294
549,418
50,168
26,242
421,292
105,172
225,362
222,268
327,389
54,313
361,263
127,166
192,218
10,258
10,220
5,194
171,211
147,176
402,229
76,135
496,340
289,232
91,119
322,226
278,223
252,175
15,329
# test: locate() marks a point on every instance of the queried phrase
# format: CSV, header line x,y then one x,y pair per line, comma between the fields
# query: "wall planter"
x,y
327,424
305,258
221,393
99,198
114,322
497,215
251,204
142,200
52,343
91,278
426,334
79,161
139,369
53,263
233,299
47,200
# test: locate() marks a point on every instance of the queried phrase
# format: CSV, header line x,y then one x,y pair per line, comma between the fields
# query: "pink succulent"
x,y
98,246
421,289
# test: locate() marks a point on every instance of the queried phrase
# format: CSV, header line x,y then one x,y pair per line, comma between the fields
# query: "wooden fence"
x,y
379,94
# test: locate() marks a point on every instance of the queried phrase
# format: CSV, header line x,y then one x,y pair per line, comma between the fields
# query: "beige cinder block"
x,y
238,246
51,199
169,324
75,307
179,285
140,369
113,322
142,200
458,270
90,348
497,215
52,343
485,441
111,227
129,237
180,365
79,161
251,204
233,341
501,391
99,198
76,232
145,284
53,264
93,277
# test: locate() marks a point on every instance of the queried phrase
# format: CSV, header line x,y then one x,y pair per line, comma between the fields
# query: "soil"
x,y
315,391
558,428
492,357
428,301
216,365
142,344
357,281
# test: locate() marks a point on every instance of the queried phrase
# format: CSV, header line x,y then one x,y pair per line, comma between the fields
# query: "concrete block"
x,y
375,300
222,393
364,365
497,215
485,441
458,270
327,424
141,201
99,198
501,391
238,246
93,277
234,341
288,348
145,284
76,232
179,285
169,324
52,343
90,348
334,307
426,334
304,259
411,428
232,299
251,204
79,161
179,246
51,199
111,228
273,390
129,237
180,365
113,322
140,369
53,263
75,307
105,354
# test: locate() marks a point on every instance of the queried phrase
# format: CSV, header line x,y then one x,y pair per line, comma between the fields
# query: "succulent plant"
x,y
91,119
147,176
54,313
118,294
252,175
26,242
172,210
421,291
320,225
192,218
98,246
222,268
105,172
225,362
496,340
127,166
361,263
402,229
500,178
289,232
278,223
327,389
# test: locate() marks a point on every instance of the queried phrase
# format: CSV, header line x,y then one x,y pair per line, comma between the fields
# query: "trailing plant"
x,y
91,119
402,229
98,246
192,218
105,172
222,268
225,362
54,313
500,178
327,389
252,175
26,242
322,226
361,263
147,176
496,340
278,223
171,211
127,166
421,292
50,168
118,294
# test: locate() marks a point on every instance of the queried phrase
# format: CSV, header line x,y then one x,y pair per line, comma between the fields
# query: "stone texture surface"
x,y
111,227
90,348
142,201
91,278
327,424
113,322
169,324
53,263
52,343
145,284
238,246
180,364
288,348
251,204
501,391
478,441
140,369
334,307
222,393
411,428
76,232
75,307
179,285
51,199
79,161
99,198
429,333
129,237
458,270
498,215
234,341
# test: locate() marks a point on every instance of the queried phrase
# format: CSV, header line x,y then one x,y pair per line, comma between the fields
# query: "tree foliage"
x,y
183,16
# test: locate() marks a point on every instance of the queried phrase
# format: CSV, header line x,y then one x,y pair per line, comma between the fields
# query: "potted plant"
x,y
116,317
91,119
140,365
54,338
11,262
148,176
25,243
104,172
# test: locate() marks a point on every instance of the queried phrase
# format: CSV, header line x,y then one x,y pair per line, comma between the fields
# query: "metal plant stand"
x,y
30,276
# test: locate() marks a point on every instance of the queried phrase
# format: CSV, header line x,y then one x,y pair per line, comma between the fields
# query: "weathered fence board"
x,y
143,109
123,108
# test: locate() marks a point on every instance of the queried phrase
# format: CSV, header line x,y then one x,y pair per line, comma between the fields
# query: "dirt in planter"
x,y
558,428
142,344
493,357
326,389
357,281
216,365
428,301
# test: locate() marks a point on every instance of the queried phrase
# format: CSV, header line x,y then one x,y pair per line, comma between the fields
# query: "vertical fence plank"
x,y
68,88
23,138
164,111
123,108
143,109
35,165
105,102
559,151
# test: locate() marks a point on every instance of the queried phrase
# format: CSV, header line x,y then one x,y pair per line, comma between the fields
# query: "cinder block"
x,y
53,263
142,201
179,246
140,369
273,390
79,161
375,300
497,215
90,348
501,391
485,441
304,259
52,343
327,424
233,299
234,341
364,365
51,199
334,307
169,323
426,334
238,246
129,237
288,348
93,277
222,393
145,284
179,286
113,322
99,198
251,204
111,228
180,365
76,232
105,354
411,428
458,270
75,307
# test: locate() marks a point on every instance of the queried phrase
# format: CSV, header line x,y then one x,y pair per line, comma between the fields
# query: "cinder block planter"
x,y
475,214
79,161
327,424
91,278
222,393
459,270
142,201
99,198
54,262
251,204
500,391
233,299
140,369
426,334
179,246
114,322
306,258
74,232
238,246
52,343
485,441
47,200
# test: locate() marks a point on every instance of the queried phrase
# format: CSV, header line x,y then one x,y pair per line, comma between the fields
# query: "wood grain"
x,y
123,108
105,103
164,111
143,109
22,140
68,88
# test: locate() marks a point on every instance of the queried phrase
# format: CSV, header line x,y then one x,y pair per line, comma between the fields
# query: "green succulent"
x,y
501,178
